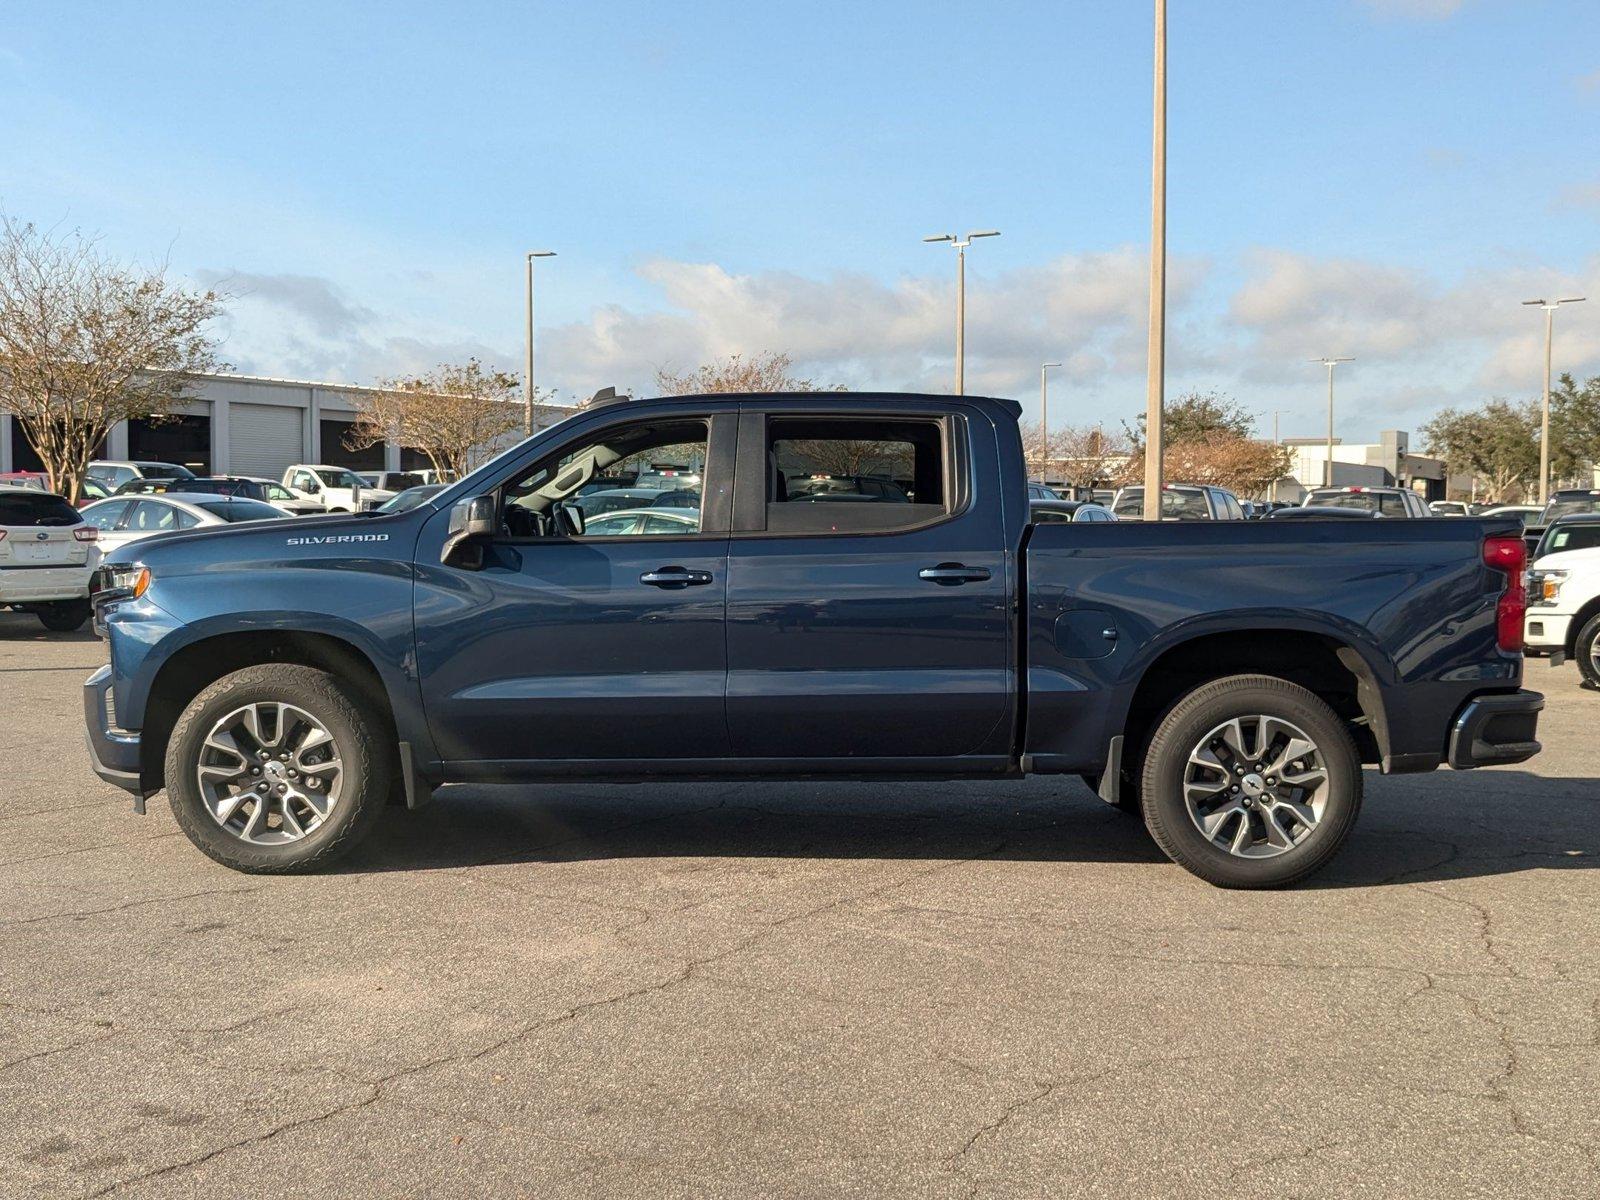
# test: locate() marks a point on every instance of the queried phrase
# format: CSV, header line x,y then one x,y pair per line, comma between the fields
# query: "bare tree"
x,y
764,372
1087,457
86,341
452,414
1242,465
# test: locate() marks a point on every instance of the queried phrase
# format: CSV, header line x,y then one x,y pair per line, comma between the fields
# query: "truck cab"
x,y
335,489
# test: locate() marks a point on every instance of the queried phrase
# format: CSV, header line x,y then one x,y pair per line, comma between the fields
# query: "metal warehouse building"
x,y
245,425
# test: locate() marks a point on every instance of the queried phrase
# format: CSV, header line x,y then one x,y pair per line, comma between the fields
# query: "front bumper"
x,y
113,752
1495,729
1544,631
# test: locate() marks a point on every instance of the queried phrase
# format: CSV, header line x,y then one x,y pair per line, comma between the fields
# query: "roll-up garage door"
x,y
263,439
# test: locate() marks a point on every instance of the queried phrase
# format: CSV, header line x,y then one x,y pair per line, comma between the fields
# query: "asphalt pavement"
x,y
746,990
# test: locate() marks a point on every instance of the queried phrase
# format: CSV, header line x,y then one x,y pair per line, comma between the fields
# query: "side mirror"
x,y
312,488
470,521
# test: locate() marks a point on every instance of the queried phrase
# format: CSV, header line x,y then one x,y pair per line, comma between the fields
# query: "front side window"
x,y
553,498
105,516
854,475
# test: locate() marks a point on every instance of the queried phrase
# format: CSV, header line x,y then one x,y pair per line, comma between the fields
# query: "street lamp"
x,y
961,245
1549,307
527,362
1044,410
1156,356
1330,363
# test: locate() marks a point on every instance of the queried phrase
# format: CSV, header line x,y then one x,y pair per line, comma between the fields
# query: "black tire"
x,y
1586,651
1184,728
64,616
360,741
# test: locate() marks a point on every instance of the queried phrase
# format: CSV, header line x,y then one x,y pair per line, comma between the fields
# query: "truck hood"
x,y
1569,560
285,540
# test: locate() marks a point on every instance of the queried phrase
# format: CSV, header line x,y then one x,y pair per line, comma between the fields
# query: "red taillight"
x,y
86,533
1509,553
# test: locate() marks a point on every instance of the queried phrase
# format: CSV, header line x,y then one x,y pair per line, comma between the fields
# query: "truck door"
x,y
868,588
606,644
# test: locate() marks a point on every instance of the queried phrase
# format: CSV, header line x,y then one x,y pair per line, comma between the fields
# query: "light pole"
x,y
527,362
1044,412
1549,307
1276,441
961,245
1156,361
1330,363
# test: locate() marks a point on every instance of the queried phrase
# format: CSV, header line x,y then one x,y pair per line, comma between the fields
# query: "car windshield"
x,y
1565,506
239,509
36,508
1568,537
340,479
1177,504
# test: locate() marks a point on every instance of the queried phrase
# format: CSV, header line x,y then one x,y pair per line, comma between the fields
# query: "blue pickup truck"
x,y
851,590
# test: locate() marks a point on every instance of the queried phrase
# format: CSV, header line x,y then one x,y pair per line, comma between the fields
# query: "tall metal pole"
x,y
1155,371
1544,418
961,318
1330,363
1549,307
1276,441
527,360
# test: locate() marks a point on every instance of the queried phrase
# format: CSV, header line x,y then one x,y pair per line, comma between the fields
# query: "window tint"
x,y
1177,504
240,509
36,508
104,516
841,475
1572,537
631,450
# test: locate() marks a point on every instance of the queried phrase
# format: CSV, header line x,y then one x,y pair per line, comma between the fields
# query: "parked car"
x,y
641,521
1039,491
411,497
1385,501
1566,502
660,477
1449,508
1104,497
1303,513
1564,594
247,487
1526,512
854,488
90,490
596,504
1181,502
677,498
335,489
283,681
393,481
1057,512
113,473
124,519
46,556
28,479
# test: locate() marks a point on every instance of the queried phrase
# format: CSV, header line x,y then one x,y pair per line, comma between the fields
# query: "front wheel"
x,y
1251,782
1586,649
277,768
64,616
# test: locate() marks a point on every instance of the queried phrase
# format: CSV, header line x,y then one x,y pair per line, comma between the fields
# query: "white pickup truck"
x,y
336,489
1564,594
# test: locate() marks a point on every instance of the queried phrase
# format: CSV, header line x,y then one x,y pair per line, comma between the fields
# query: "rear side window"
x,y
240,509
854,475
36,508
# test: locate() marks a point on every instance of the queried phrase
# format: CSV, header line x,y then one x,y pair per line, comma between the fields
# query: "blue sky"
x,y
1382,178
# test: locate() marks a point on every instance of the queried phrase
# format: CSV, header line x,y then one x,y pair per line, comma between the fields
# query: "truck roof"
x,y
995,404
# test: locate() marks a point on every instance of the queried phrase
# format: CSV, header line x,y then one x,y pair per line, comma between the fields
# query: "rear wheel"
x,y
277,768
1586,649
64,616
1251,782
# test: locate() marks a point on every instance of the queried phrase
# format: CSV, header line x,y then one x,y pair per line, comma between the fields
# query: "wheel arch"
x,y
1579,619
1330,667
203,661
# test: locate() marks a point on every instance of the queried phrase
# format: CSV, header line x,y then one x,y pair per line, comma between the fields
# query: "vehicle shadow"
x,y
1449,825
25,627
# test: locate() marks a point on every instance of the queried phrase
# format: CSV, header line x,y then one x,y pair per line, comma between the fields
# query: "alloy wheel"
x,y
1256,786
269,773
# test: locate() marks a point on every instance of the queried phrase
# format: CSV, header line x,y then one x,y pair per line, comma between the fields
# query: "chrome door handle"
x,y
950,574
675,577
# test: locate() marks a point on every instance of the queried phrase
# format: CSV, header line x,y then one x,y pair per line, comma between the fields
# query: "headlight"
x,y
120,581
1544,587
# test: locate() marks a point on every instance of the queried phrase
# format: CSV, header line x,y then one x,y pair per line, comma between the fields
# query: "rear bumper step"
x,y
1495,729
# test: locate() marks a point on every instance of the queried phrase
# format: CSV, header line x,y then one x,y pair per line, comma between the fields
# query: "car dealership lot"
x,y
787,989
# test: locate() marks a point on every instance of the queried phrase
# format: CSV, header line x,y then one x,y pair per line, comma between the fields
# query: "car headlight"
x,y
120,581
1544,587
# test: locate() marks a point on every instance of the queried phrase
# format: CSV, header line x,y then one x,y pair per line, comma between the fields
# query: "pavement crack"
x,y
131,904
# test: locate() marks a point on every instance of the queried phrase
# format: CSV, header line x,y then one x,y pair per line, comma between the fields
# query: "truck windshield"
x,y
1177,504
1388,503
341,479
1568,537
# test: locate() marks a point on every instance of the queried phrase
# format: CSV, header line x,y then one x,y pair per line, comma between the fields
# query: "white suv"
x,y
1564,594
47,554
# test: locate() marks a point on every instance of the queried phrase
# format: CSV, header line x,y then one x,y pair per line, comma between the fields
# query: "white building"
x,y
1388,462
246,425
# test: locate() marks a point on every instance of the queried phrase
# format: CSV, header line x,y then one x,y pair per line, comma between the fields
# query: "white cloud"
x,y
1428,10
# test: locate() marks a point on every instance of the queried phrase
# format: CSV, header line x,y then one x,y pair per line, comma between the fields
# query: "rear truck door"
x,y
604,647
864,621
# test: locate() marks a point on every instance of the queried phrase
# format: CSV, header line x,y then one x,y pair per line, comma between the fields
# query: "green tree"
x,y
1197,417
1574,428
1498,442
